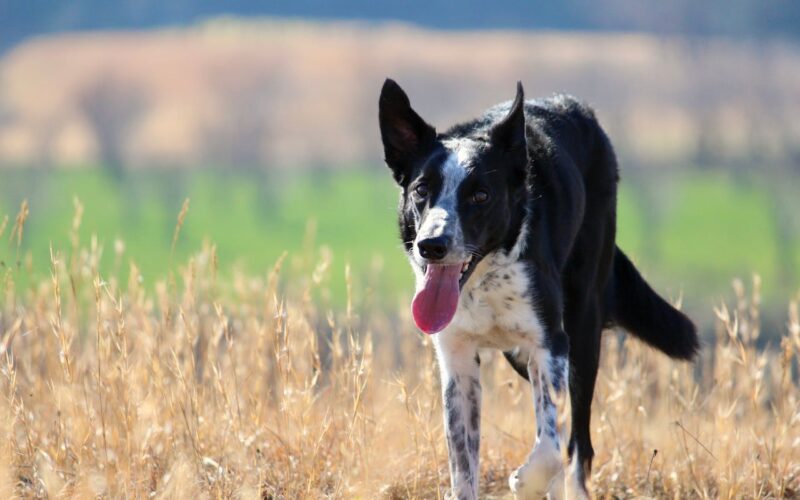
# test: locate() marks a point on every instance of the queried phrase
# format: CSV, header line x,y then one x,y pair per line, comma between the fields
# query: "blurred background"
x,y
264,115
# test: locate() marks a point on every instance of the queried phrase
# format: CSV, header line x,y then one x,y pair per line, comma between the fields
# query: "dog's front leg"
x,y
461,397
542,473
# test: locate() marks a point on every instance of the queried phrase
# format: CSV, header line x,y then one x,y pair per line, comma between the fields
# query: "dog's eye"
x,y
480,196
421,190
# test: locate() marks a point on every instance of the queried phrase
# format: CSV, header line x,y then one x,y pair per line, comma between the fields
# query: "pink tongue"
x,y
435,304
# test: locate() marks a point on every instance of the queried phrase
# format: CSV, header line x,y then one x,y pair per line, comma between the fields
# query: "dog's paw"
x,y
557,488
535,479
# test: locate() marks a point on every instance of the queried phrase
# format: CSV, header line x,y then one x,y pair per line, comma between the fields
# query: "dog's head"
x,y
461,192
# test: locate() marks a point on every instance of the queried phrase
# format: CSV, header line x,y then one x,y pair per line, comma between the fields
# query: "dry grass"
x,y
247,389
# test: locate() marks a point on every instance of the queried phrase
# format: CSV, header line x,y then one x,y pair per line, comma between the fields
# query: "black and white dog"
x,y
509,223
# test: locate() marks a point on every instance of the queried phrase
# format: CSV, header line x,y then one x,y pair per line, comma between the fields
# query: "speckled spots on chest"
x,y
496,305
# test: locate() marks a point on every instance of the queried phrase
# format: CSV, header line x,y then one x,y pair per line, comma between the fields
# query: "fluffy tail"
x,y
637,308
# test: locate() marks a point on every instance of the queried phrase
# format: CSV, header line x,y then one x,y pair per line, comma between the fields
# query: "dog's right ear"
x,y
404,133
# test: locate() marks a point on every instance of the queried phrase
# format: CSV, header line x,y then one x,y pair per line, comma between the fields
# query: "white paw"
x,y
534,479
557,487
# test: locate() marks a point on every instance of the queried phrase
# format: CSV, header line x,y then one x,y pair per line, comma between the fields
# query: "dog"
x,y
509,223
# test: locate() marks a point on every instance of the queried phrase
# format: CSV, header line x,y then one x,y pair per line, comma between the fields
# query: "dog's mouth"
x,y
467,267
436,300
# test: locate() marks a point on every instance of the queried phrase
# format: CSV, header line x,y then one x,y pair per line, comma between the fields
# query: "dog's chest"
x,y
496,305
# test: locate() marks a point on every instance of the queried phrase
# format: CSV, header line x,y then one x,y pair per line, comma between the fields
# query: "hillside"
x,y
269,93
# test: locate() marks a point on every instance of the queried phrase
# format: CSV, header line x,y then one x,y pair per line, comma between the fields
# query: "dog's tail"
x,y
634,306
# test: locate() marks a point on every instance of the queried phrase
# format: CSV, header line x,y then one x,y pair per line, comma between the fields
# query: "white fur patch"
x,y
453,172
463,149
442,218
495,308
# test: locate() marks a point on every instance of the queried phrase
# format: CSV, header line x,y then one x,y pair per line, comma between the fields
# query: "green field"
x,y
692,234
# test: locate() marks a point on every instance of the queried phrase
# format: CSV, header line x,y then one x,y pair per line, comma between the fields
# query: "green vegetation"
x,y
697,231
252,219
704,230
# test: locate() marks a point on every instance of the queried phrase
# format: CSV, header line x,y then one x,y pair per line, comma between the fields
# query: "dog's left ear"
x,y
405,134
509,134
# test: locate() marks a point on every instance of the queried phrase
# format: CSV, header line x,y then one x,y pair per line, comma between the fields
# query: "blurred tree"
x,y
784,194
112,108
772,167
238,136
6,115
653,192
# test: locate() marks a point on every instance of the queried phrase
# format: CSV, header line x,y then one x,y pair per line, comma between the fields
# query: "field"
x,y
191,384
254,218
203,293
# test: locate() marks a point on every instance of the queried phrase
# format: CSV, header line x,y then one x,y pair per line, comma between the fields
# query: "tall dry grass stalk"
x,y
246,388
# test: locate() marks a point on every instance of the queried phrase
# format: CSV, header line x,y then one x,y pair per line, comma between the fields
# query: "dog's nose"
x,y
434,248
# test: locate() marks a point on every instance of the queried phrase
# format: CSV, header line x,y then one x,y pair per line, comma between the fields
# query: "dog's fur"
x,y
545,276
